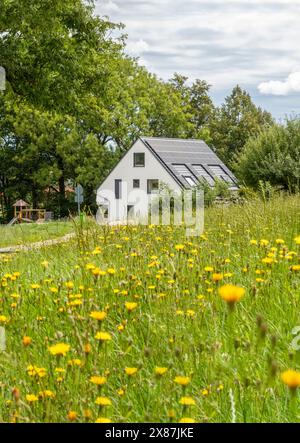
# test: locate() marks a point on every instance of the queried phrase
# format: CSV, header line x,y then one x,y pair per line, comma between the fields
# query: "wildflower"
x,y
181,380
264,242
31,398
97,272
45,264
121,392
231,294
291,378
59,349
130,306
179,247
253,242
72,415
279,241
74,362
160,370
103,420
205,392
46,394
87,348
35,371
187,420
297,240
35,286
111,271
295,268
131,371
187,401
217,277
103,401
3,319
267,260
209,269
98,315
98,380
87,413
103,336
69,285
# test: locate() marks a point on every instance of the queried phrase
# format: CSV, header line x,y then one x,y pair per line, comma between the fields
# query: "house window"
x,y
136,183
118,189
152,185
189,180
139,159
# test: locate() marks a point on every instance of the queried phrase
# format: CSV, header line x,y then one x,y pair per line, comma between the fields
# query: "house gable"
x,y
127,172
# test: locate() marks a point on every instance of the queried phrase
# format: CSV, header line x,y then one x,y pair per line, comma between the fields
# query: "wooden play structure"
x,y
24,214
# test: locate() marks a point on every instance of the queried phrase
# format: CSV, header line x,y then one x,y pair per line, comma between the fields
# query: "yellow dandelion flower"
x,y
31,398
297,240
187,420
231,293
130,306
182,380
98,315
291,378
103,336
59,349
72,415
217,277
103,401
103,420
98,380
131,371
3,319
187,401
160,370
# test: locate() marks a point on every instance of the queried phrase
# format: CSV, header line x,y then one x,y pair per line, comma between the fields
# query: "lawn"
x,y
28,233
127,324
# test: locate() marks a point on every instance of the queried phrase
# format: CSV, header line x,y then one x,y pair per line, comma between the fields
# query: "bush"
x,y
272,157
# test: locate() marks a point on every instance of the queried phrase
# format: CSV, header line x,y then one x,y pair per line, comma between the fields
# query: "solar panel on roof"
x,y
181,169
201,172
181,157
219,172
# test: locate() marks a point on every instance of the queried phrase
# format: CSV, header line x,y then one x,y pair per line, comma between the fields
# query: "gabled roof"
x,y
189,161
21,204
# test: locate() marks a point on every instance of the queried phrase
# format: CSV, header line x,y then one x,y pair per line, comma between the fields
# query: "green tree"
x,y
198,105
235,122
273,156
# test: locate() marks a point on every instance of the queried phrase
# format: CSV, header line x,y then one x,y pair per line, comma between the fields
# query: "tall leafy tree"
x,y
273,156
235,122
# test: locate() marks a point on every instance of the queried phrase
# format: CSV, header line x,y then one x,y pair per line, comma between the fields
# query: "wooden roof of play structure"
x,y
21,204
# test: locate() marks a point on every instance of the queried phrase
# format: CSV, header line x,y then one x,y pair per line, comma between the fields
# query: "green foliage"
x,y
219,192
235,122
274,157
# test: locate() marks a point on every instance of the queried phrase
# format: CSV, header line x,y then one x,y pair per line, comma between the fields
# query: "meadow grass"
x,y
28,233
153,295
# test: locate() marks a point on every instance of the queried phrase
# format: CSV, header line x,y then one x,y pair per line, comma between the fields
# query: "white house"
x,y
176,163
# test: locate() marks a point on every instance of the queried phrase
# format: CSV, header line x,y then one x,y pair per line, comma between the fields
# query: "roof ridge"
x,y
197,140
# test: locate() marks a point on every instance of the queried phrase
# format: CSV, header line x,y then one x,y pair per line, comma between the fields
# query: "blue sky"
x,y
251,42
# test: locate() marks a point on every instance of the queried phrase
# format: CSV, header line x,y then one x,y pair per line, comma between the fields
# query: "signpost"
x,y
79,197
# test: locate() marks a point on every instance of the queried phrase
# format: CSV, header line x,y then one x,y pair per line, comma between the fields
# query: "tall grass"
x,y
233,357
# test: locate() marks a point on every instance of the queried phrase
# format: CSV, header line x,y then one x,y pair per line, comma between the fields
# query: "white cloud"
x,y
137,47
108,7
290,85
224,43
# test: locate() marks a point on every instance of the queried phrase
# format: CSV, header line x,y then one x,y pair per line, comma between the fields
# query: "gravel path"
x,y
37,245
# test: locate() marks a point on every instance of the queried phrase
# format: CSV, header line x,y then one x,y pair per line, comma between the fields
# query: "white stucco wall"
x,y
126,172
